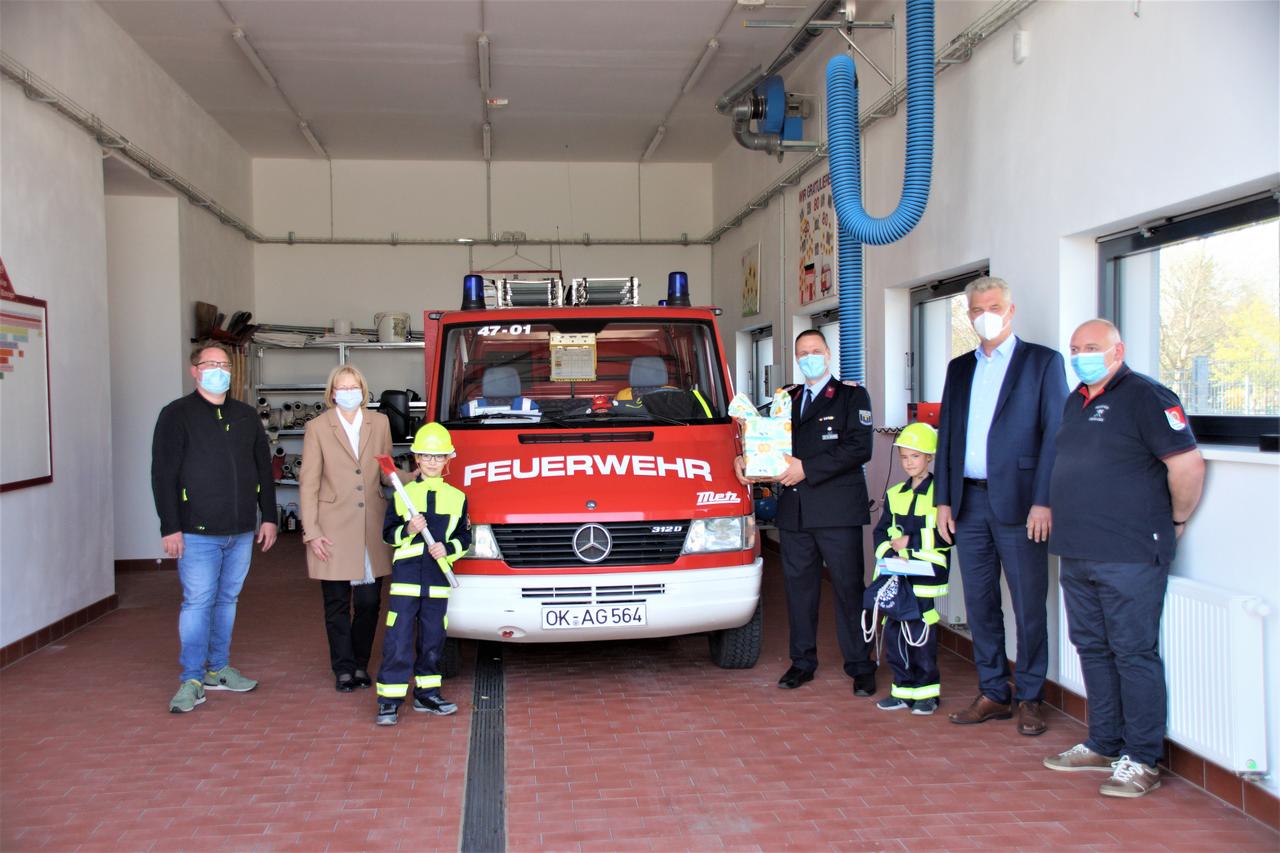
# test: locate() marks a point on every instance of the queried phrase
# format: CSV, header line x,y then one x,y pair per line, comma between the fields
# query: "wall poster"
x,y
751,281
817,241
26,437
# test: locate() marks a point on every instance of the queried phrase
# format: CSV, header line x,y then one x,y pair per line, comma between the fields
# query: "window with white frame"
x,y
940,331
1197,301
828,322
762,380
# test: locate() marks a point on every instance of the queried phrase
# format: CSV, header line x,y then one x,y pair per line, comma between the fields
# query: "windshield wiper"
x,y
545,418
613,415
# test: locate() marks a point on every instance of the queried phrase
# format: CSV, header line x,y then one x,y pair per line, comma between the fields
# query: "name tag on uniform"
x,y
829,435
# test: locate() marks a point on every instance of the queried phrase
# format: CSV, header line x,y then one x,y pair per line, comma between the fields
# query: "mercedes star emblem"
x,y
592,543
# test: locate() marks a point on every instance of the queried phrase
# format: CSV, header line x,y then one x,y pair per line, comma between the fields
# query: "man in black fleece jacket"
x,y
210,475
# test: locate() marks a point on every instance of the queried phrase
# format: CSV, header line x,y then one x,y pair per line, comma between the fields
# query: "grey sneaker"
x,y
893,703
387,713
1079,757
434,703
189,695
228,678
1130,778
924,707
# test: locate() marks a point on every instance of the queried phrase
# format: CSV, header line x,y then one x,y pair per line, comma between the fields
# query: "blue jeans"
x,y
212,570
985,543
1113,619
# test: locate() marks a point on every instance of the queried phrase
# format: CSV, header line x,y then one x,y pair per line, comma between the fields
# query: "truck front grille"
x,y
634,543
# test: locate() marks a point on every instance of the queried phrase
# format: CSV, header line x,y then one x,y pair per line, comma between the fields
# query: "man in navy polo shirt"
x,y
1126,478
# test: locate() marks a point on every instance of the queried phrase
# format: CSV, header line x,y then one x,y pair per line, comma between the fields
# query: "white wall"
x,y
1112,121
53,239
56,539
143,273
310,285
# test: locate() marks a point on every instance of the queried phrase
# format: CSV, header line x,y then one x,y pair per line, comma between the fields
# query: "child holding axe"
x,y
428,526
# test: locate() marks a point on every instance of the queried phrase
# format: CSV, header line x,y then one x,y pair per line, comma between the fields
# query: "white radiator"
x,y
1212,645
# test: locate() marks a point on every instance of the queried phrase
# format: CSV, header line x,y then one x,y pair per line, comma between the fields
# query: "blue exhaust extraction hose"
x,y
844,153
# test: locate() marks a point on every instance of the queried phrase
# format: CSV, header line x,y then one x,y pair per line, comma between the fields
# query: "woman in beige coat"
x,y
342,513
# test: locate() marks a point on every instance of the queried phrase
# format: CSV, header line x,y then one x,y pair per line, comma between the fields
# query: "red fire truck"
x,y
596,451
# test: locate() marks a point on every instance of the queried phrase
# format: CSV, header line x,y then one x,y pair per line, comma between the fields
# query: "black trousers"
x,y
351,620
803,554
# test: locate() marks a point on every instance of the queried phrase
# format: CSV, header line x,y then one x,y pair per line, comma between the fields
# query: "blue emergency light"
x,y
472,292
678,289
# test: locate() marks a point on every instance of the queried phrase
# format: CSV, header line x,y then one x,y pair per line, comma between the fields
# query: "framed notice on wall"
x,y
26,437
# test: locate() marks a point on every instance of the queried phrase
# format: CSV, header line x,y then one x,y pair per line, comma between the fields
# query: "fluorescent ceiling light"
x,y
487,133
242,41
655,142
703,62
482,50
311,138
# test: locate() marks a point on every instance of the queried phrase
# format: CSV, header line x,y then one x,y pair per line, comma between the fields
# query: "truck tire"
x,y
738,648
451,659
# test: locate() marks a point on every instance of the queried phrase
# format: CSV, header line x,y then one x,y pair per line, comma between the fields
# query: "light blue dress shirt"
x,y
988,376
811,390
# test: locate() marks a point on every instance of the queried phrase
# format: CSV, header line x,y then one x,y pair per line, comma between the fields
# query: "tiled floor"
x,y
640,745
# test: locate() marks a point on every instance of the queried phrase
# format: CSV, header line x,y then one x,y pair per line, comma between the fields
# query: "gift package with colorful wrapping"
x,y
766,442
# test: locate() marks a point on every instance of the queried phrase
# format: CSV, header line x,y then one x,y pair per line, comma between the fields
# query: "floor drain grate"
x,y
484,807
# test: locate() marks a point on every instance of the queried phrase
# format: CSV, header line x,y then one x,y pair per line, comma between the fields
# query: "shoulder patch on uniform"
x,y
864,417
1177,420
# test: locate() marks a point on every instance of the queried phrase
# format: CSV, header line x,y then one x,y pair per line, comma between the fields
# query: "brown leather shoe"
x,y
1030,719
981,710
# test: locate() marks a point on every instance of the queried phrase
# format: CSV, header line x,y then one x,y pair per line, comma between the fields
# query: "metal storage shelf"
x,y
284,388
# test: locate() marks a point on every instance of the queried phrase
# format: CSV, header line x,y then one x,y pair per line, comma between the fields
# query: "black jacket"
x,y
833,492
210,468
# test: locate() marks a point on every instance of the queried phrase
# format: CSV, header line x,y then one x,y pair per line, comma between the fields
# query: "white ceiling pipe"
x,y
486,133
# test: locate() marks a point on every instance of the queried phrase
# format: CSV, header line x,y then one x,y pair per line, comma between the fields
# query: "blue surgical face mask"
x,y
812,366
1090,366
215,381
348,399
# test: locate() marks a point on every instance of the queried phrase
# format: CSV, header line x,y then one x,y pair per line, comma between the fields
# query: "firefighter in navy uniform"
x,y
821,509
908,529
419,589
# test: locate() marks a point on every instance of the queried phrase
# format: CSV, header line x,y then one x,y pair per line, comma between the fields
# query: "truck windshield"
x,y
578,372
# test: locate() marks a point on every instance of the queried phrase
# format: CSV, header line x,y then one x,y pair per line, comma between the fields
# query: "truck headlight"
x,y
709,535
483,544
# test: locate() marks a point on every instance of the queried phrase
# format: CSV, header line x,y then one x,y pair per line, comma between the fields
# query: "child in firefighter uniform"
x,y
908,529
419,589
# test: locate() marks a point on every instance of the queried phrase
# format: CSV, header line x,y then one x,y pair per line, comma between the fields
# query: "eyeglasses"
x,y
209,365
433,457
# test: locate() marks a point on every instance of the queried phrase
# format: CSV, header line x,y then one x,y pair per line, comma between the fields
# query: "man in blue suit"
x,y
1001,407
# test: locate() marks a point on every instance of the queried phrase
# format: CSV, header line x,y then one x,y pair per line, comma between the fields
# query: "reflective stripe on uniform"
x,y
393,691
930,617
446,621
702,402
923,591
391,618
449,503
438,591
407,551
929,691
410,589
424,681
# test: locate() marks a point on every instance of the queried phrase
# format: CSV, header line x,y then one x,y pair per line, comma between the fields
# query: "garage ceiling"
x,y
586,80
